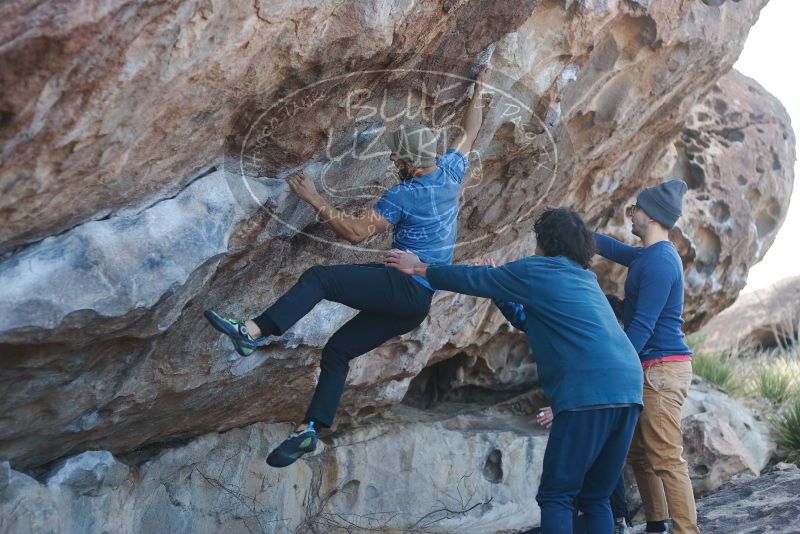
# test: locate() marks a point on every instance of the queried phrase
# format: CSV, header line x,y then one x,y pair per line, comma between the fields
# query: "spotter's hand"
x,y
404,261
545,417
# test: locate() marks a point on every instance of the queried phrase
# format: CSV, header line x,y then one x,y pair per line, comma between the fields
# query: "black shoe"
x,y
236,331
295,446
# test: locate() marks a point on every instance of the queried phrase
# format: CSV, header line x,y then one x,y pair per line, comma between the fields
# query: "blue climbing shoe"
x,y
295,446
236,331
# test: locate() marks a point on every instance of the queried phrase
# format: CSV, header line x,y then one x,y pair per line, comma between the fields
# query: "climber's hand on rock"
x,y
405,261
483,76
303,185
545,417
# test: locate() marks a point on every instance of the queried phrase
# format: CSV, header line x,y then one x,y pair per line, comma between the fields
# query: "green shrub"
x,y
775,381
787,426
716,368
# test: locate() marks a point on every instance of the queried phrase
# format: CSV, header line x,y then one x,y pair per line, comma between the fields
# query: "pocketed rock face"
x,y
733,153
465,473
450,468
125,214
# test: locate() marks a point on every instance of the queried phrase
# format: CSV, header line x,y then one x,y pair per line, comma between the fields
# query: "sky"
x,y
770,57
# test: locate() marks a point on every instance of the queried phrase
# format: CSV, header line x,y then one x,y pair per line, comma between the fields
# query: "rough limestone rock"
x,y
769,504
144,149
466,463
714,443
732,153
5,474
722,437
469,472
89,471
766,318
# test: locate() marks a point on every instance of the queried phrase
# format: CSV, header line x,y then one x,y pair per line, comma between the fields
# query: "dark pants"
x,y
583,462
619,508
619,502
391,304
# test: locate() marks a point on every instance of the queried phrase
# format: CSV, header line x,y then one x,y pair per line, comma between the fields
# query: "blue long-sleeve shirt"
x,y
653,296
583,356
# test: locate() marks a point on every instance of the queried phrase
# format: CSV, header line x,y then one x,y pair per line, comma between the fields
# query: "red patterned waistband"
x,y
670,358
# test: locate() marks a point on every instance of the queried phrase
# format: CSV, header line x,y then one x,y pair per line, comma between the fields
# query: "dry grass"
x,y
717,369
787,426
774,377
772,374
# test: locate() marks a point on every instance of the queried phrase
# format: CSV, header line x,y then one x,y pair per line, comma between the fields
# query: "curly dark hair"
x,y
562,232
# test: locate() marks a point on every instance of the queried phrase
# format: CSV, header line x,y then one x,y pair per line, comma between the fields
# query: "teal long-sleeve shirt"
x,y
583,356
653,296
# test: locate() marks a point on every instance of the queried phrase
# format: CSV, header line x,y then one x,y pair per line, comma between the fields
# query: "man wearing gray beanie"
x,y
421,210
652,317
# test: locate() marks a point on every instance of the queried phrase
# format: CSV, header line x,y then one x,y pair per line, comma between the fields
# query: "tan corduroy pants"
x,y
656,450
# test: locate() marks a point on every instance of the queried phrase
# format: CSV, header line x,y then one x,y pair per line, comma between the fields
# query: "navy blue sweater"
x,y
653,296
582,355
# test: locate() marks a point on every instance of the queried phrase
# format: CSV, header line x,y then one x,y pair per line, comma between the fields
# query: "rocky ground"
x,y
755,505
750,505
453,467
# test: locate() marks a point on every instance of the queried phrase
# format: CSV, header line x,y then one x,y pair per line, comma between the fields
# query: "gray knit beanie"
x,y
413,143
663,202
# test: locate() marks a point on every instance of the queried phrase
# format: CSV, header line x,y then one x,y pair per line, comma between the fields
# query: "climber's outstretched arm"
x,y
353,228
473,117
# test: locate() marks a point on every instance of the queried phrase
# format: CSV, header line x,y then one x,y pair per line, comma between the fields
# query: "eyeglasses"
x,y
630,210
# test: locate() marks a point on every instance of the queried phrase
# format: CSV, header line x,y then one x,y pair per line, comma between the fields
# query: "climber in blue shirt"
x,y
587,366
421,210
